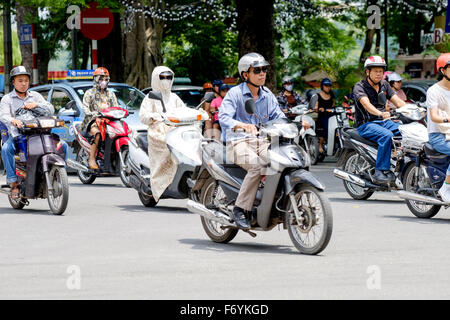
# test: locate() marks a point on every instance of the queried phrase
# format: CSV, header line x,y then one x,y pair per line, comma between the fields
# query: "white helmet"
x,y
374,61
251,60
394,76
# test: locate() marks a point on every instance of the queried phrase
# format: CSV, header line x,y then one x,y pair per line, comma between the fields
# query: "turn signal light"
x,y
175,120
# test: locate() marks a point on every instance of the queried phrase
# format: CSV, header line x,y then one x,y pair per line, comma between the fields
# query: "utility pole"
x,y
7,43
74,49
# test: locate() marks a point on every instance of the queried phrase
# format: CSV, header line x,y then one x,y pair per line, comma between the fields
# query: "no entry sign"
x,y
96,24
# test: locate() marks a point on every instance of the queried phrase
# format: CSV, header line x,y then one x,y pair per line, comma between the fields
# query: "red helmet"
x,y
207,85
442,61
101,72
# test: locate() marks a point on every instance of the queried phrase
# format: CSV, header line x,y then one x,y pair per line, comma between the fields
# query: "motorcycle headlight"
x,y
47,123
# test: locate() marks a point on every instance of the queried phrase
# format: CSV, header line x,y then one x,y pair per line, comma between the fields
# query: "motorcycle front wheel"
x,y
124,176
312,234
83,158
355,164
313,143
58,199
212,191
147,201
411,181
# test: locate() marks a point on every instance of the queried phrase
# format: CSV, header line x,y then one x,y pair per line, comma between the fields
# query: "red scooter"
x,y
112,150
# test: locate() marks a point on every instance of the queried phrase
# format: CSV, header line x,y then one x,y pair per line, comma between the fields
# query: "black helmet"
x,y
17,71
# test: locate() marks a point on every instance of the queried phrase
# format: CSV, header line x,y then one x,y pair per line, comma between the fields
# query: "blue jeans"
x,y
437,140
8,152
381,132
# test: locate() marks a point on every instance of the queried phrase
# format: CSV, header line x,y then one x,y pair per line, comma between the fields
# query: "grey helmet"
x,y
18,71
249,60
394,76
287,79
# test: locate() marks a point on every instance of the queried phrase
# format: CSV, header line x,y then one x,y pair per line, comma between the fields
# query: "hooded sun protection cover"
x,y
163,86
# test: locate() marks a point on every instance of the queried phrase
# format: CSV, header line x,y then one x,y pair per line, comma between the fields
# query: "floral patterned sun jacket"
x,y
94,101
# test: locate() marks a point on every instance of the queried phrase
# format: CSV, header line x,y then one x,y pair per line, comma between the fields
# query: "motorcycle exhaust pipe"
x,y
77,166
350,178
406,195
216,216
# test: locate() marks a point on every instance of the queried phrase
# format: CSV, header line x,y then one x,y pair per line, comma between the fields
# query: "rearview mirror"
x,y
250,106
382,98
70,105
209,96
313,101
155,95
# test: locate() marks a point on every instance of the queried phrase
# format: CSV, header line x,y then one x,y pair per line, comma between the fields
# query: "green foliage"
x,y
201,51
313,44
17,57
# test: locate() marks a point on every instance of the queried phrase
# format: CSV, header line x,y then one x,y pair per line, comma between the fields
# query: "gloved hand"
x,y
205,115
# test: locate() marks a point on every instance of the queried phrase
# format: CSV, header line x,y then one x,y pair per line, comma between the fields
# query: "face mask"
x,y
103,84
289,88
166,84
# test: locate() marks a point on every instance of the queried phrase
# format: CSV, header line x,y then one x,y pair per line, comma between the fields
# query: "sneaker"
x,y
240,219
444,192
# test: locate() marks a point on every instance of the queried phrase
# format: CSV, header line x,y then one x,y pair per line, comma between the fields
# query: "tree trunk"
x,y
85,53
23,16
255,26
143,49
367,45
110,52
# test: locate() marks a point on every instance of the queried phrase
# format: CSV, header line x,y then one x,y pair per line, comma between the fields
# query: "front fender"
x,y
52,159
124,141
301,177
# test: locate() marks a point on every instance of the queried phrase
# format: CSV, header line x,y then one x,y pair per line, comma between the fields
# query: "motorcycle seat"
x,y
432,153
218,152
142,141
353,133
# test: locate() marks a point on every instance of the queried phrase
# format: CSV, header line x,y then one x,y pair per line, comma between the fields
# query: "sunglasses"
x,y
103,78
162,77
259,70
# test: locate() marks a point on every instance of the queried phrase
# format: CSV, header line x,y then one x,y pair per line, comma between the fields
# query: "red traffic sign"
x,y
96,24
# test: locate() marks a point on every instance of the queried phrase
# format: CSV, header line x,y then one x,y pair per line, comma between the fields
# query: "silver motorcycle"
x,y
289,195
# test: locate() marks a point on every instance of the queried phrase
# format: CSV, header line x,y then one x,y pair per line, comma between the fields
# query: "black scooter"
x,y
40,166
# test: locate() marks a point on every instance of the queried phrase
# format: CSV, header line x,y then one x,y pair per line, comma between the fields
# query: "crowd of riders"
x,y
226,113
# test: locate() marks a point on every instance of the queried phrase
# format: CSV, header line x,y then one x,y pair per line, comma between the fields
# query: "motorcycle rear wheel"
x,y
60,183
213,229
317,223
124,176
83,158
419,209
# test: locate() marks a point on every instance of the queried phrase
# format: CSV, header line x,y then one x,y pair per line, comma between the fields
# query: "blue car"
x,y
67,98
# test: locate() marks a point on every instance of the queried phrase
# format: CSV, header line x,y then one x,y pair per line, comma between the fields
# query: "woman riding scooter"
x,y
95,100
324,105
162,166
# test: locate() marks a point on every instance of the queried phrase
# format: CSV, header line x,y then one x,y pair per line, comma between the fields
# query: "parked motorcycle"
x,y
359,157
40,165
288,195
184,144
113,149
307,139
422,179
